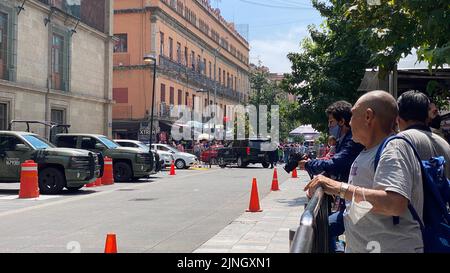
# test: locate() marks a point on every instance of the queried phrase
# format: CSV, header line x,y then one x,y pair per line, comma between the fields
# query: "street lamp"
x,y
148,58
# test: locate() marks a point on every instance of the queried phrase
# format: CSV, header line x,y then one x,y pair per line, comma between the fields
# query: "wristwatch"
x,y
343,190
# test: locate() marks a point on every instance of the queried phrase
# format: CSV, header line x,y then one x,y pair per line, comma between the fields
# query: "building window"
x,y
178,52
163,92
199,63
193,102
186,98
186,61
59,62
172,96
220,75
161,43
224,79
121,44
210,72
170,48
3,46
180,96
58,116
193,60
3,116
204,66
228,79
120,95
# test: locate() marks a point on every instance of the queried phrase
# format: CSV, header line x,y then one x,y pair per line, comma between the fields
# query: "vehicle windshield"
x,y
38,142
109,143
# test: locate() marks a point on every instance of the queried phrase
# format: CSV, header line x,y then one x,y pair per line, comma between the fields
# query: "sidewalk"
x,y
266,231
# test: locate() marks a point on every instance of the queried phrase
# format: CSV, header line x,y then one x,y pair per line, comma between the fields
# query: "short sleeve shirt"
x,y
398,171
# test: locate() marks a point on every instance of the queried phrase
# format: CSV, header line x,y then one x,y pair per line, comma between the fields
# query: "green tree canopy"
x,y
330,66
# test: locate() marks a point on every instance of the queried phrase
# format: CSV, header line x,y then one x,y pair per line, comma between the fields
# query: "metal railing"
x,y
196,77
312,234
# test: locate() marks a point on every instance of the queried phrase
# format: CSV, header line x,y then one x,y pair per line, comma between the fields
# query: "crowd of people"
x,y
392,186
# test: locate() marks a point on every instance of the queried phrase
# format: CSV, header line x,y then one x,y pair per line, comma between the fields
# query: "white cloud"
x,y
273,51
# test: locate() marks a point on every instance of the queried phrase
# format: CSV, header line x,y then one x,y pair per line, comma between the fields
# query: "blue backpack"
x,y
436,189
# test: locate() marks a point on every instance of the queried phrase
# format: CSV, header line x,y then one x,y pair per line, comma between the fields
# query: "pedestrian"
x,y
413,117
338,167
434,120
331,148
387,190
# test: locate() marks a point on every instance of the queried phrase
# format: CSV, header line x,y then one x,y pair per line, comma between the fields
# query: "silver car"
x,y
164,156
182,160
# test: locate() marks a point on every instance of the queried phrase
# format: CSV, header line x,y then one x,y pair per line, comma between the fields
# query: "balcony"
x,y
192,76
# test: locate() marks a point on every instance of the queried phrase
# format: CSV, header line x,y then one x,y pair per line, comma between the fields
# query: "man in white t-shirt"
x,y
389,188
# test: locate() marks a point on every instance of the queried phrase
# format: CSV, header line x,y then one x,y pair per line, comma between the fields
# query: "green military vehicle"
x,y
128,163
57,167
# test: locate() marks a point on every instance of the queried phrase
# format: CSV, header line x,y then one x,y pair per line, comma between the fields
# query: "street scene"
x,y
225,127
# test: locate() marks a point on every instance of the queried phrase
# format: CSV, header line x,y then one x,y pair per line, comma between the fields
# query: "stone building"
x,y
56,63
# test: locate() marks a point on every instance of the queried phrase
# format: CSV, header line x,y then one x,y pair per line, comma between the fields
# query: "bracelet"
x,y
343,190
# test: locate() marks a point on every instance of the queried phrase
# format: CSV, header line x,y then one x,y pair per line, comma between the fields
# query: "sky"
x,y
276,28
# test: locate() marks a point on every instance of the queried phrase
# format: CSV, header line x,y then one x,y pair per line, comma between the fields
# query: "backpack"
x,y
436,189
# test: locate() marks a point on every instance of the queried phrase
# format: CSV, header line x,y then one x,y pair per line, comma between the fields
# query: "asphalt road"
x,y
163,214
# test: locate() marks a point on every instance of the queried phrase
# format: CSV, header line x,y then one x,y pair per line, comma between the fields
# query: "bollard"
x,y
29,181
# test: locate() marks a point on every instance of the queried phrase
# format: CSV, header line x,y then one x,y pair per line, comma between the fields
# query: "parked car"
x,y
243,152
182,160
128,163
210,155
164,158
57,167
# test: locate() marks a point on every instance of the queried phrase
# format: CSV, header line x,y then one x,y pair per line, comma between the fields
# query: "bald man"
x,y
396,181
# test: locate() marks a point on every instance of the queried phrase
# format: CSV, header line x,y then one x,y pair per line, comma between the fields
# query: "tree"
x,y
395,28
267,92
330,66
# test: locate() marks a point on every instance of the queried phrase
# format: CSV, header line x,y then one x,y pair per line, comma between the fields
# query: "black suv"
x,y
244,152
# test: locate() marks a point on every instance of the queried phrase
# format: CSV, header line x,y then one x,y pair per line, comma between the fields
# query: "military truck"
x,y
128,163
57,167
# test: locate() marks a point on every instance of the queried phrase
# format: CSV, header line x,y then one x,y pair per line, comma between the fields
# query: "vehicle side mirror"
x,y
99,146
22,148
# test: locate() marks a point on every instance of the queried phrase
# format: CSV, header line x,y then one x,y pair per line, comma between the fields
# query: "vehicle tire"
x,y
180,164
265,165
122,172
74,189
241,163
51,181
221,162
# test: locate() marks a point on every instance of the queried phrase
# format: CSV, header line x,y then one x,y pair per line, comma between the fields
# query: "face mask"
x,y
358,210
436,122
335,131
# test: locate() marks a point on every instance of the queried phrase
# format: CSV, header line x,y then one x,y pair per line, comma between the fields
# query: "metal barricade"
x,y
312,234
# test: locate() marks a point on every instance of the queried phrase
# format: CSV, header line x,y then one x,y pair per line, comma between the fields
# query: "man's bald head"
x,y
384,107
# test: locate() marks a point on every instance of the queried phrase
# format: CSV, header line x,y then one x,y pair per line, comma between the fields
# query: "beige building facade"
x,y
56,63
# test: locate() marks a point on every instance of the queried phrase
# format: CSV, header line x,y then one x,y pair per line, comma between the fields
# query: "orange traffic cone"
x,y
108,174
29,180
275,180
254,199
92,184
98,182
111,245
294,173
172,169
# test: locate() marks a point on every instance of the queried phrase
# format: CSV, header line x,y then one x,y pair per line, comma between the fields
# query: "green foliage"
x,y
329,67
266,92
396,27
